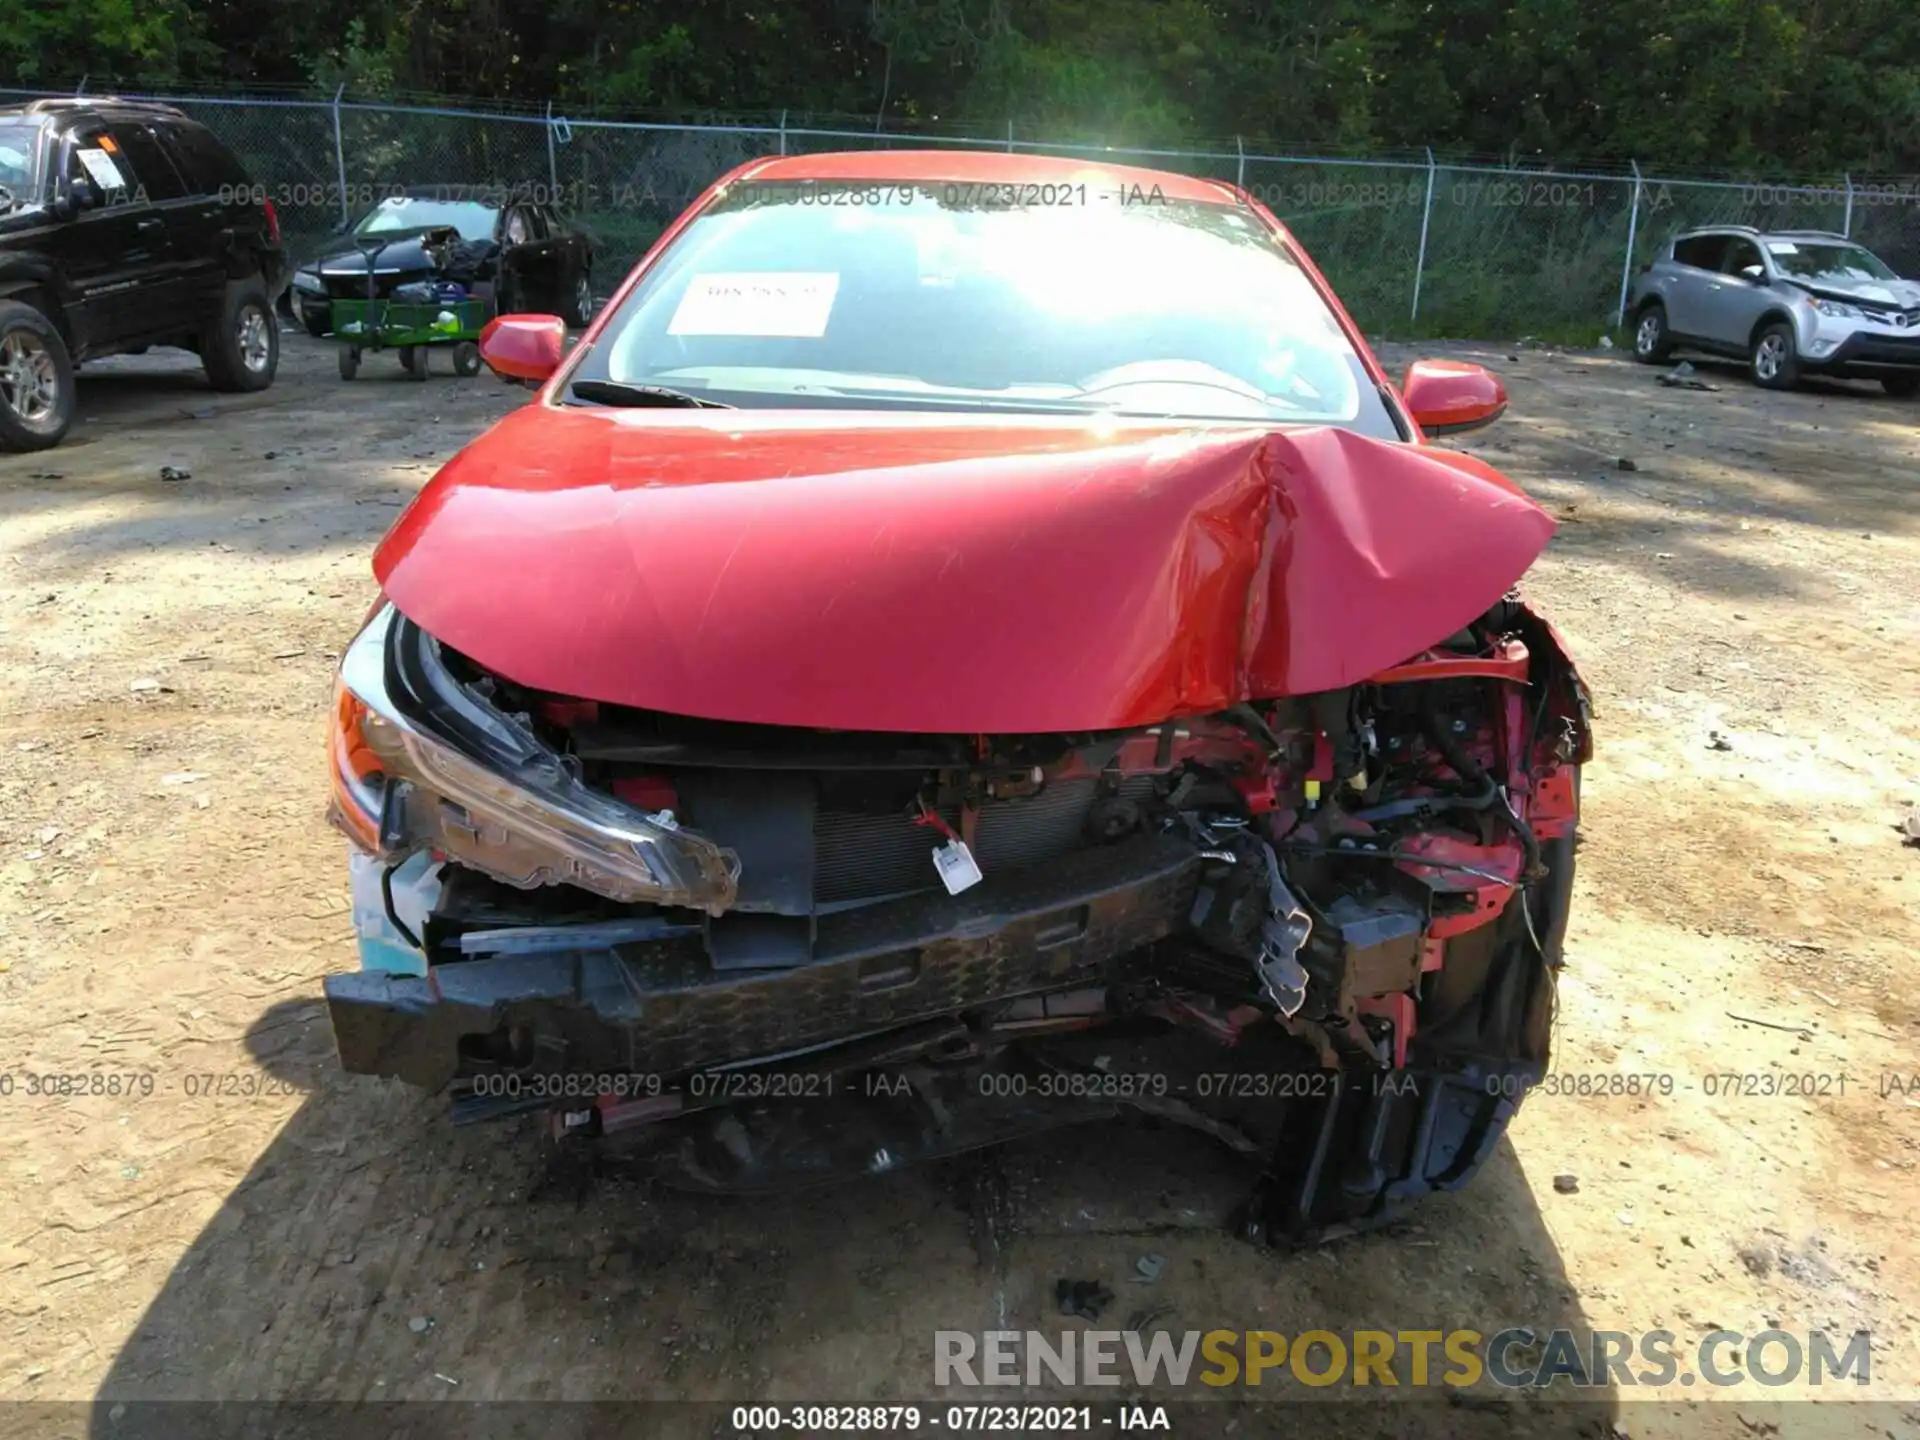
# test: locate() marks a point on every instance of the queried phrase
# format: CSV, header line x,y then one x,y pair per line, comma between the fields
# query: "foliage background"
x,y
1754,86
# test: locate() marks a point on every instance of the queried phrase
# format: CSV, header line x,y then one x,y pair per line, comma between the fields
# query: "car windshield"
x,y
401,213
20,158
1075,298
1821,260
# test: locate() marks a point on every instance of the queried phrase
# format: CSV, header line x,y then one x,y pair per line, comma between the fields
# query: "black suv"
x,y
124,225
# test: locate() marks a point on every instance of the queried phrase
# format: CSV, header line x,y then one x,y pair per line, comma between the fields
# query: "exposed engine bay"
x,y
1321,929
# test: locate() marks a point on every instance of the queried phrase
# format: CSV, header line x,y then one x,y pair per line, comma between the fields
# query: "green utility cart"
x,y
411,328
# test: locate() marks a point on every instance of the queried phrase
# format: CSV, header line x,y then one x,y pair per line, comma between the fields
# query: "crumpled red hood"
x,y
973,576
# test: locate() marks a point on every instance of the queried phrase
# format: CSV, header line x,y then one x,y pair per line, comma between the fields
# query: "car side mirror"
x,y
1754,273
1447,397
524,347
70,197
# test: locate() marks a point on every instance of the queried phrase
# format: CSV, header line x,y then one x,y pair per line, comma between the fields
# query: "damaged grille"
x,y
661,1008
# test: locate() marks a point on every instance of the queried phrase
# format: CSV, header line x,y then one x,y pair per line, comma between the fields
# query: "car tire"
x,y
38,396
413,360
579,309
1772,362
1901,387
240,347
466,359
1652,344
349,362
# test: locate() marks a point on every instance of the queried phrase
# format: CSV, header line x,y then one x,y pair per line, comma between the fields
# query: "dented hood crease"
x,y
972,575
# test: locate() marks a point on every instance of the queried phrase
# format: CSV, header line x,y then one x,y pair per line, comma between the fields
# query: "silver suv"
x,y
1788,302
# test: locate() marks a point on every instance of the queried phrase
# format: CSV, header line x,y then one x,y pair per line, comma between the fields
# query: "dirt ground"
x,y
1743,595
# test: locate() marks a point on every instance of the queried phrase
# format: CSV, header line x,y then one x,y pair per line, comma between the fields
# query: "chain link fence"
x,y
1433,248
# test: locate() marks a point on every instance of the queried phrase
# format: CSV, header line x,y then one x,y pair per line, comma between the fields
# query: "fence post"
x,y
783,132
1633,231
1846,226
553,162
340,156
1009,134
1426,214
1240,164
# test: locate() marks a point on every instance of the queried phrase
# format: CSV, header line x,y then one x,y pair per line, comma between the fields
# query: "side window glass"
x,y
1740,254
152,170
1702,251
203,162
93,158
518,231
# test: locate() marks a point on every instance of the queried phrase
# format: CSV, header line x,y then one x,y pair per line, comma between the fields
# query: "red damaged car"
x,y
977,640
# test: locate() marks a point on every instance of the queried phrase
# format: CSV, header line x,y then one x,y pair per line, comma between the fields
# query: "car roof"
x,y
438,195
1749,230
988,167
94,105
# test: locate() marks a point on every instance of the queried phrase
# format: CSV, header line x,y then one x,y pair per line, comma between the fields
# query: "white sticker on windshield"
x,y
1783,247
793,305
100,166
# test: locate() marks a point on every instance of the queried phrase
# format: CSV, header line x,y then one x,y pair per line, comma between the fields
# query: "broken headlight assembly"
x,y
422,761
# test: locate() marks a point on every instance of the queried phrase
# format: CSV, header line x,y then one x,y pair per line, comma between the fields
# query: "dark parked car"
x,y
906,684
125,225
526,255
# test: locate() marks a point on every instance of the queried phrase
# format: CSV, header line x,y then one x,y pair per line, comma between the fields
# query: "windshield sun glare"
x,y
933,295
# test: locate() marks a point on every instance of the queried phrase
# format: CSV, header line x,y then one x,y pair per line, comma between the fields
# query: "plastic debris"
x,y
1084,1299
1684,377
1140,1319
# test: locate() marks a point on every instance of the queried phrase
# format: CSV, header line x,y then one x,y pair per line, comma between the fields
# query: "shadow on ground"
x,y
309,464
1728,490
373,1252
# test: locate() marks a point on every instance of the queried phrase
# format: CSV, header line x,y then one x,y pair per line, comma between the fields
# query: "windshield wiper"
x,y
623,392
